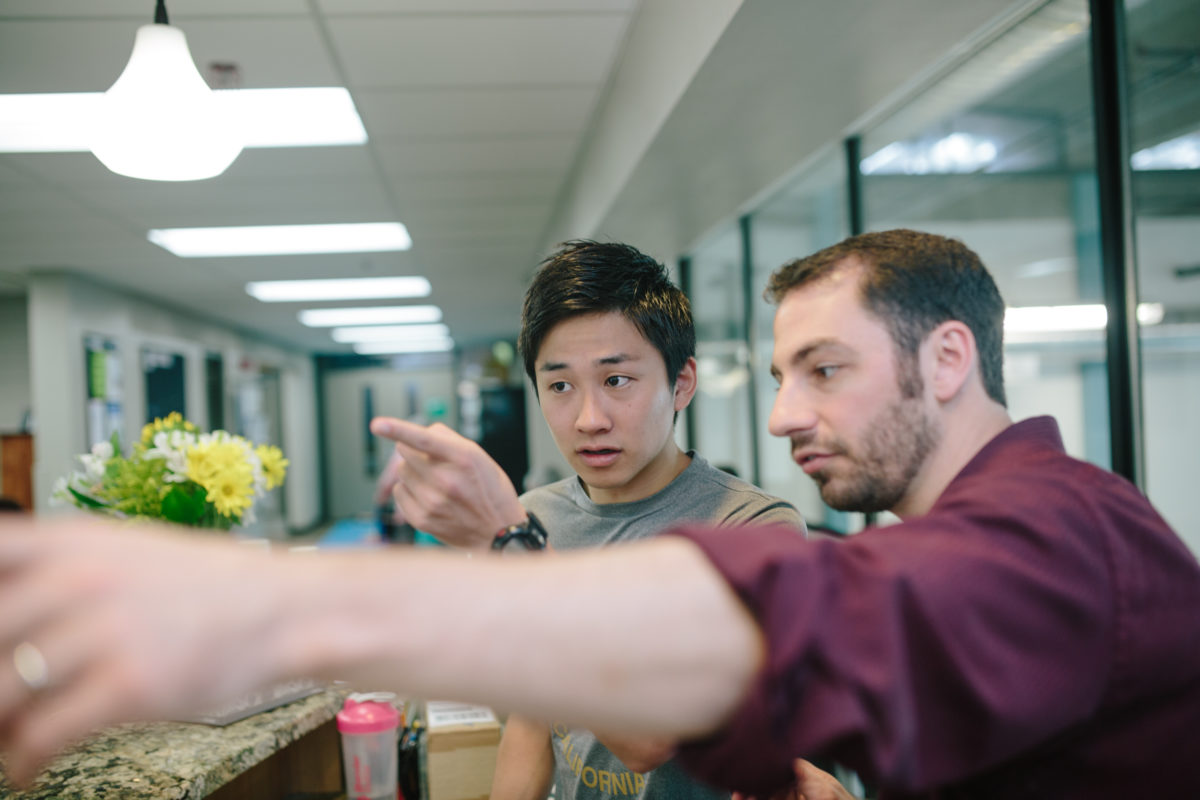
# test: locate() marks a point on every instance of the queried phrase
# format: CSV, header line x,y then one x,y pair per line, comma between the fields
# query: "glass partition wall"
x,y
721,410
1001,155
807,214
1163,46
1000,151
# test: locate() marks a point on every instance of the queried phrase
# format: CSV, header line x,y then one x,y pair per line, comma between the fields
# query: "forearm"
x,y
643,659
524,761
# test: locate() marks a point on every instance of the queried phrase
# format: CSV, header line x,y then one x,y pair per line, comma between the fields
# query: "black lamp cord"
x,y
160,13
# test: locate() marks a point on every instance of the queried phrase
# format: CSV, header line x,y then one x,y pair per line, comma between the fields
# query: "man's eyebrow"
x,y
805,352
820,344
615,358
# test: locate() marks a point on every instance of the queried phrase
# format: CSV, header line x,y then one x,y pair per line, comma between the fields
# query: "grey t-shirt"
x,y
584,769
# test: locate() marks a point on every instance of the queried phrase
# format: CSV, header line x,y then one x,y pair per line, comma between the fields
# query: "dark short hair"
x,y
587,277
913,282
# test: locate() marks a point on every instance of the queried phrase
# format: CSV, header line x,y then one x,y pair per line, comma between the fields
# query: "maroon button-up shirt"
x,y
1035,635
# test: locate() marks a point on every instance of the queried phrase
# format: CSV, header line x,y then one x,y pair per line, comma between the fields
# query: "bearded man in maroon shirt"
x,y
1030,629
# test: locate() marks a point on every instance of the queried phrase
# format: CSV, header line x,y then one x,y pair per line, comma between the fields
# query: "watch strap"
x,y
529,534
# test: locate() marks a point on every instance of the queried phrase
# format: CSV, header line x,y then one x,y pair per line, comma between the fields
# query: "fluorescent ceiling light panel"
x,y
1182,152
47,123
1088,317
390,333
426,346
297,117
271,240
954,153
376,315
338,289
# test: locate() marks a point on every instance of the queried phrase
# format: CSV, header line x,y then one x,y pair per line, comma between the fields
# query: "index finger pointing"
x,y
402,431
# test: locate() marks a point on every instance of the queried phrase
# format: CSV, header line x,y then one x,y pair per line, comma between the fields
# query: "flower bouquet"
x,y
176,474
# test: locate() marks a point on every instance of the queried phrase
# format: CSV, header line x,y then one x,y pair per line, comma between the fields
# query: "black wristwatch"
x,y
527,535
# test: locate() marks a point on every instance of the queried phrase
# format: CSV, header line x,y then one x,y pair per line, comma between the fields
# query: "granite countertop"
x,y
176,759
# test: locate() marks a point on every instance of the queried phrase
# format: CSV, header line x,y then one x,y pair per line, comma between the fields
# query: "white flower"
x,y
177,466
172,447
93,467
59,495
103,450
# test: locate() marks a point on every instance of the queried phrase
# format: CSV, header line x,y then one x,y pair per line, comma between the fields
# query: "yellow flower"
x,y
199,463
221,468
171,422
231,492
274,465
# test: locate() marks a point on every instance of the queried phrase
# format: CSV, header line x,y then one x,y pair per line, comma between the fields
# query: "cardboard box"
x,y
460,751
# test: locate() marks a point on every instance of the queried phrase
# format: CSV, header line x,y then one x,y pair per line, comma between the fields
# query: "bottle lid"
x,y
368,713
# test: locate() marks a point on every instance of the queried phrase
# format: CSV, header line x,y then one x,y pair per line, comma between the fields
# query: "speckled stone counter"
x,y
176,760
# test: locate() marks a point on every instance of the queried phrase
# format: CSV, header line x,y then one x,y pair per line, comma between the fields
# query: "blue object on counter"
x,y
423,539
350,533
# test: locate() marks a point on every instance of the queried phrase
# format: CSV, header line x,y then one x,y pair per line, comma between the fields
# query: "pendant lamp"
x,y
160,121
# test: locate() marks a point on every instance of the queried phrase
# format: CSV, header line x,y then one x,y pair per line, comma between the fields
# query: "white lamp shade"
x,y
160,121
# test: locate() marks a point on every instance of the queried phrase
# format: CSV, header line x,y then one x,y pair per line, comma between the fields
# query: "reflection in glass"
x,y
1163,46
721,408
808,214
1000,154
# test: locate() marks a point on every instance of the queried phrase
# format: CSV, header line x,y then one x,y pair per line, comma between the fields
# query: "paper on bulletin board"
x,y
103,382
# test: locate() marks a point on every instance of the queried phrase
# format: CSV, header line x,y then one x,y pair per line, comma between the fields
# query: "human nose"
x,y
592,416
791,413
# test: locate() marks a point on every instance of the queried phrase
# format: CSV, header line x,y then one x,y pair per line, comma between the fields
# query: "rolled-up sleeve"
x,y
913,659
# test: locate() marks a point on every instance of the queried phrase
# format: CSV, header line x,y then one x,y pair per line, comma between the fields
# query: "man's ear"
x,y
952,359
685,384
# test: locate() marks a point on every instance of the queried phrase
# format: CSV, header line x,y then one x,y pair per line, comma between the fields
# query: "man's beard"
x,y
892,451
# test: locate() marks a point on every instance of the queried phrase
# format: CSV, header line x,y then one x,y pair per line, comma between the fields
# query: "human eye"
x,y
558,387
616,381
825,371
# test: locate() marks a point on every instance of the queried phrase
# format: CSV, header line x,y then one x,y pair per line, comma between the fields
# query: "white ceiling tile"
x,y
11,176
177,10
31,52
414,113
32,55
63,168
495,218
453,190
477,155
269,53
517,50
333,7
273,163
261,203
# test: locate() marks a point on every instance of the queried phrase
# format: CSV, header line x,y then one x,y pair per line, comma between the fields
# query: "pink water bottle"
x,y
369,725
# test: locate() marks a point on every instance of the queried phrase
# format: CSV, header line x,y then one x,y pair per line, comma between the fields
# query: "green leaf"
x,y
85,500
184,505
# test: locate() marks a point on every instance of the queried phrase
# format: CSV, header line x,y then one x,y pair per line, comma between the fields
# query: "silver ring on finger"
x,y
31,666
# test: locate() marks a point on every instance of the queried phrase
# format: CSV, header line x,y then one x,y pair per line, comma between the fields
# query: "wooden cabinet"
x,y
16,472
